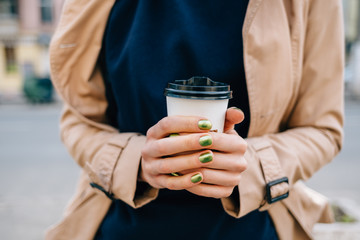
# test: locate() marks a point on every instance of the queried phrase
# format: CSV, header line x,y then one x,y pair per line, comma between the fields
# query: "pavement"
x,y
38,176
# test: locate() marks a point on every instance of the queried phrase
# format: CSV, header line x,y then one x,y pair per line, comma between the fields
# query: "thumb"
x,y
233,116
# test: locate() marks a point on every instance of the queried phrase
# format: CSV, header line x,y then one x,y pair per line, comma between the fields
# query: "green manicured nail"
x,y
206,157
205,140
174,135
236,108
196,178
204,124
175,174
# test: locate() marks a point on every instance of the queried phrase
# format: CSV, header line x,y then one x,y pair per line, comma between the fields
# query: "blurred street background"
x,y
37,174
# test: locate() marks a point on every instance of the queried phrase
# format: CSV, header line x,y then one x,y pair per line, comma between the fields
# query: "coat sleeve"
x,y
110,159
313,135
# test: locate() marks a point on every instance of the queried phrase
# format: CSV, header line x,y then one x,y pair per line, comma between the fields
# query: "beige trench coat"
x,y
293,55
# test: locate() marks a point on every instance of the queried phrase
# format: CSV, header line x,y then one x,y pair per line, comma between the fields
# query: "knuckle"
x,y
201,192
224,192
164,124
170,184
244,164
147,168
159,148
244,146
240,144
219,195
164,166
156,182
236,180
237,166
150,132
144,153
240,165
228,192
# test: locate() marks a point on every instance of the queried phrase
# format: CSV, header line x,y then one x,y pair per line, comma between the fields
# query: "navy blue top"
x,y
146,45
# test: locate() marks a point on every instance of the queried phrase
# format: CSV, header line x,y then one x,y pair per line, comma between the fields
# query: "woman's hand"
x,y
163,155
224,173
214,159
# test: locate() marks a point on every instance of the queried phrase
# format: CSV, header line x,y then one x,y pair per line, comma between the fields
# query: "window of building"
x,y
10,59
46,11
8,9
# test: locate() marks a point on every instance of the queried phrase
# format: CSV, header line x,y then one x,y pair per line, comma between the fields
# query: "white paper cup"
x,y
199,96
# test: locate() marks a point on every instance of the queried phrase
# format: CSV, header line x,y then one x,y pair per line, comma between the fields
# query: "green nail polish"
x,y
236,108
196,178
175,174
206,157
204,124
205,140
174,135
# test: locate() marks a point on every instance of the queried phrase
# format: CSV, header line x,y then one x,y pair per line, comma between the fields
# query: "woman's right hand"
x,y
213,159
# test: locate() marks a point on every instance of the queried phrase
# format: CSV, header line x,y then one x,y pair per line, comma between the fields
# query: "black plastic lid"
x,y
198,88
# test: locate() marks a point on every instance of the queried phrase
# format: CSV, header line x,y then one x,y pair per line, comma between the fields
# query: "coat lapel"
x,y
253,6
251,11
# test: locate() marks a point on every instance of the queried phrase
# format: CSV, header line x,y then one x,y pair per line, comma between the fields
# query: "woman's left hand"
x,y
224,172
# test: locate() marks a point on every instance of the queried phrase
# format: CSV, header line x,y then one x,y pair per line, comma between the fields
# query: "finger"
x,y
178,124
233,116
220,177
182,162
229,143
214,191
180,182
175,145
224,161
217,141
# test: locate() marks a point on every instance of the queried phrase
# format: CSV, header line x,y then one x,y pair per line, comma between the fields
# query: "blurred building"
x,y
26,27
352,22
352,39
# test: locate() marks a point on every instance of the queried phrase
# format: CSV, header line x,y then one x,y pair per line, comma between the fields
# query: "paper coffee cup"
x,y
199,96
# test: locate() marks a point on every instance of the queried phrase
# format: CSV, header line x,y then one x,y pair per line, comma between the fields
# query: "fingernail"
x,y
206,157
175,174
174,135
204,124
236,108
205,140
196,178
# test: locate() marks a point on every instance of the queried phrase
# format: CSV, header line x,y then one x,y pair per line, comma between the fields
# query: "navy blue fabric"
x,y
150,43
183,216
146,45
